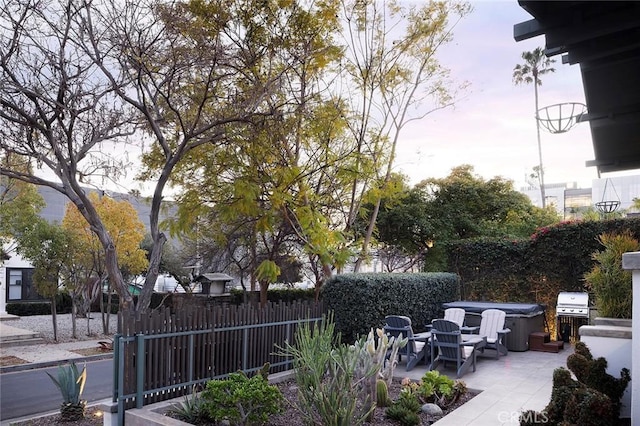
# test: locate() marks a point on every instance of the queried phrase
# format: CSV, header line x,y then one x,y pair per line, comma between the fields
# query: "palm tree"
x,y
535,65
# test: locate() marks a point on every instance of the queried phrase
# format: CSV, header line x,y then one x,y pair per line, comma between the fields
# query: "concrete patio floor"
x,y
511,384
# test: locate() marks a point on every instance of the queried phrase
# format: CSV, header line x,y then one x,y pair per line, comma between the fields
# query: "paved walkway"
x,y
511,384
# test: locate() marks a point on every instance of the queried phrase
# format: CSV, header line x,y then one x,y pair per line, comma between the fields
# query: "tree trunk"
x,y
541,171
54,318
74,311
144,299
264,288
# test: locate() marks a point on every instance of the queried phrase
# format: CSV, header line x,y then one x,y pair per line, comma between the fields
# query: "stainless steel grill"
x,y
572,311
572,304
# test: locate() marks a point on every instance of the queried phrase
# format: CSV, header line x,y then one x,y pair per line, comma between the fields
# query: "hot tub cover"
x,y
508,308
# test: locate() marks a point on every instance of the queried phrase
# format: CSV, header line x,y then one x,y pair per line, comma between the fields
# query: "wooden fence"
x,y
163,355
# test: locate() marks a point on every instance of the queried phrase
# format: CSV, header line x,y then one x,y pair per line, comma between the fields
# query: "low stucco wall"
x,y
614,343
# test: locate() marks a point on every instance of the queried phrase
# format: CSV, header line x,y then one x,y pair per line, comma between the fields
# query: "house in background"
x,y
16,273
15,280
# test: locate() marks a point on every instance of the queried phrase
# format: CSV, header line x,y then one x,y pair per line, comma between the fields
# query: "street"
x,y
30,392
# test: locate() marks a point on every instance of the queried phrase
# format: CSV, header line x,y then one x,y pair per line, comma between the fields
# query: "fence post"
x,y
245,349
140,366
120,382
116,365
191,356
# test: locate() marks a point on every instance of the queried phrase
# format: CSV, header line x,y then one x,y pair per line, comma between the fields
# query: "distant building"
x,y
571,201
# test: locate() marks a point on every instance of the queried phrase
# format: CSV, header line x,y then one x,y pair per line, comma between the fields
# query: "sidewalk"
x,y
49,354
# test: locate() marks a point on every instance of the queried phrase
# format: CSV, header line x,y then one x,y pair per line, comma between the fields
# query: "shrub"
x,y
242,401
361,301
70,382
591,400
331,377
405,409
611,285
191,410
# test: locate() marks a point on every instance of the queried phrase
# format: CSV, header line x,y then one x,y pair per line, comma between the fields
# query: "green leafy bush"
x,y
242,400
405,409
591,400
361,301
612,285
435,388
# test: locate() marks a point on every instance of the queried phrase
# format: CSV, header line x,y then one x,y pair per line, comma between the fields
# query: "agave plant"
x,y
71,382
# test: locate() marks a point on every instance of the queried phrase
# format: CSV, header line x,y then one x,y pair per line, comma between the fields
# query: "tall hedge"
x,y
361,301
555,258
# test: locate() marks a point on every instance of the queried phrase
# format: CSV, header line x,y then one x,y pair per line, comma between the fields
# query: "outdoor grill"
x,y
572,311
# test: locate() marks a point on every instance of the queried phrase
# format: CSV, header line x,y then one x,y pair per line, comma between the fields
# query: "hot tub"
x,y
522,318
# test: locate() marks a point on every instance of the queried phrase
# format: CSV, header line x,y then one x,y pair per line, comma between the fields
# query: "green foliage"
x,y
70,382
611,284
287,295
361,301
461,206
593,373
330,376
25,309
47,246
191,409
241,400
405,409
591,400
20,202
382,394
436,387
554,258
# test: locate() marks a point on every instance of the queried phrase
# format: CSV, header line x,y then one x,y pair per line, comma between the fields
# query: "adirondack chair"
x,y
449,344
455,315
492,327
416,349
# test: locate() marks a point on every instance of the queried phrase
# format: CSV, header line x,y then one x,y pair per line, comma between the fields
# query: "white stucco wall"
x,y
15,261
631,261
617,352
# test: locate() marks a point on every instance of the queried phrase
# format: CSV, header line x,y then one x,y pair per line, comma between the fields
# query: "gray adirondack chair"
x,y
448,344
416,348
492,328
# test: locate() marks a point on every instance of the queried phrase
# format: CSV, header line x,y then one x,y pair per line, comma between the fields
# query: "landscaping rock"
x,y
432,409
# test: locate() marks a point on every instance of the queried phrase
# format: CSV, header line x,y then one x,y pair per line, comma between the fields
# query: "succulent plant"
x,y
70,381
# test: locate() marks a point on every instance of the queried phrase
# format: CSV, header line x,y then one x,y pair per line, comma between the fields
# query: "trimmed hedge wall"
x,y
361,301
554,259
534,270
40,307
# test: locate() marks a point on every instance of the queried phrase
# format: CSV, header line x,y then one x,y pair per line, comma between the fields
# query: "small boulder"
x,y
432,409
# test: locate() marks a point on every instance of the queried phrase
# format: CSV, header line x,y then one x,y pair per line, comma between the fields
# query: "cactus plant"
x,y
71,383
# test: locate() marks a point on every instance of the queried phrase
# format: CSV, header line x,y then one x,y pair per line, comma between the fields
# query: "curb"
x,y
55,363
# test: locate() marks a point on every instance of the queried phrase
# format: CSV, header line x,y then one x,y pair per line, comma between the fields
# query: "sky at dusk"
x,y
492,127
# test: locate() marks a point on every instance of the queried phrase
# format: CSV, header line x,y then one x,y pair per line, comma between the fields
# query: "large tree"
x,y
48,247
394,77
86,268
272,196
77,78
536,64
459,206
20,204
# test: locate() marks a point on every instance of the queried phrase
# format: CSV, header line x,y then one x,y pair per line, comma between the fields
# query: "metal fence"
x,y
163,355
